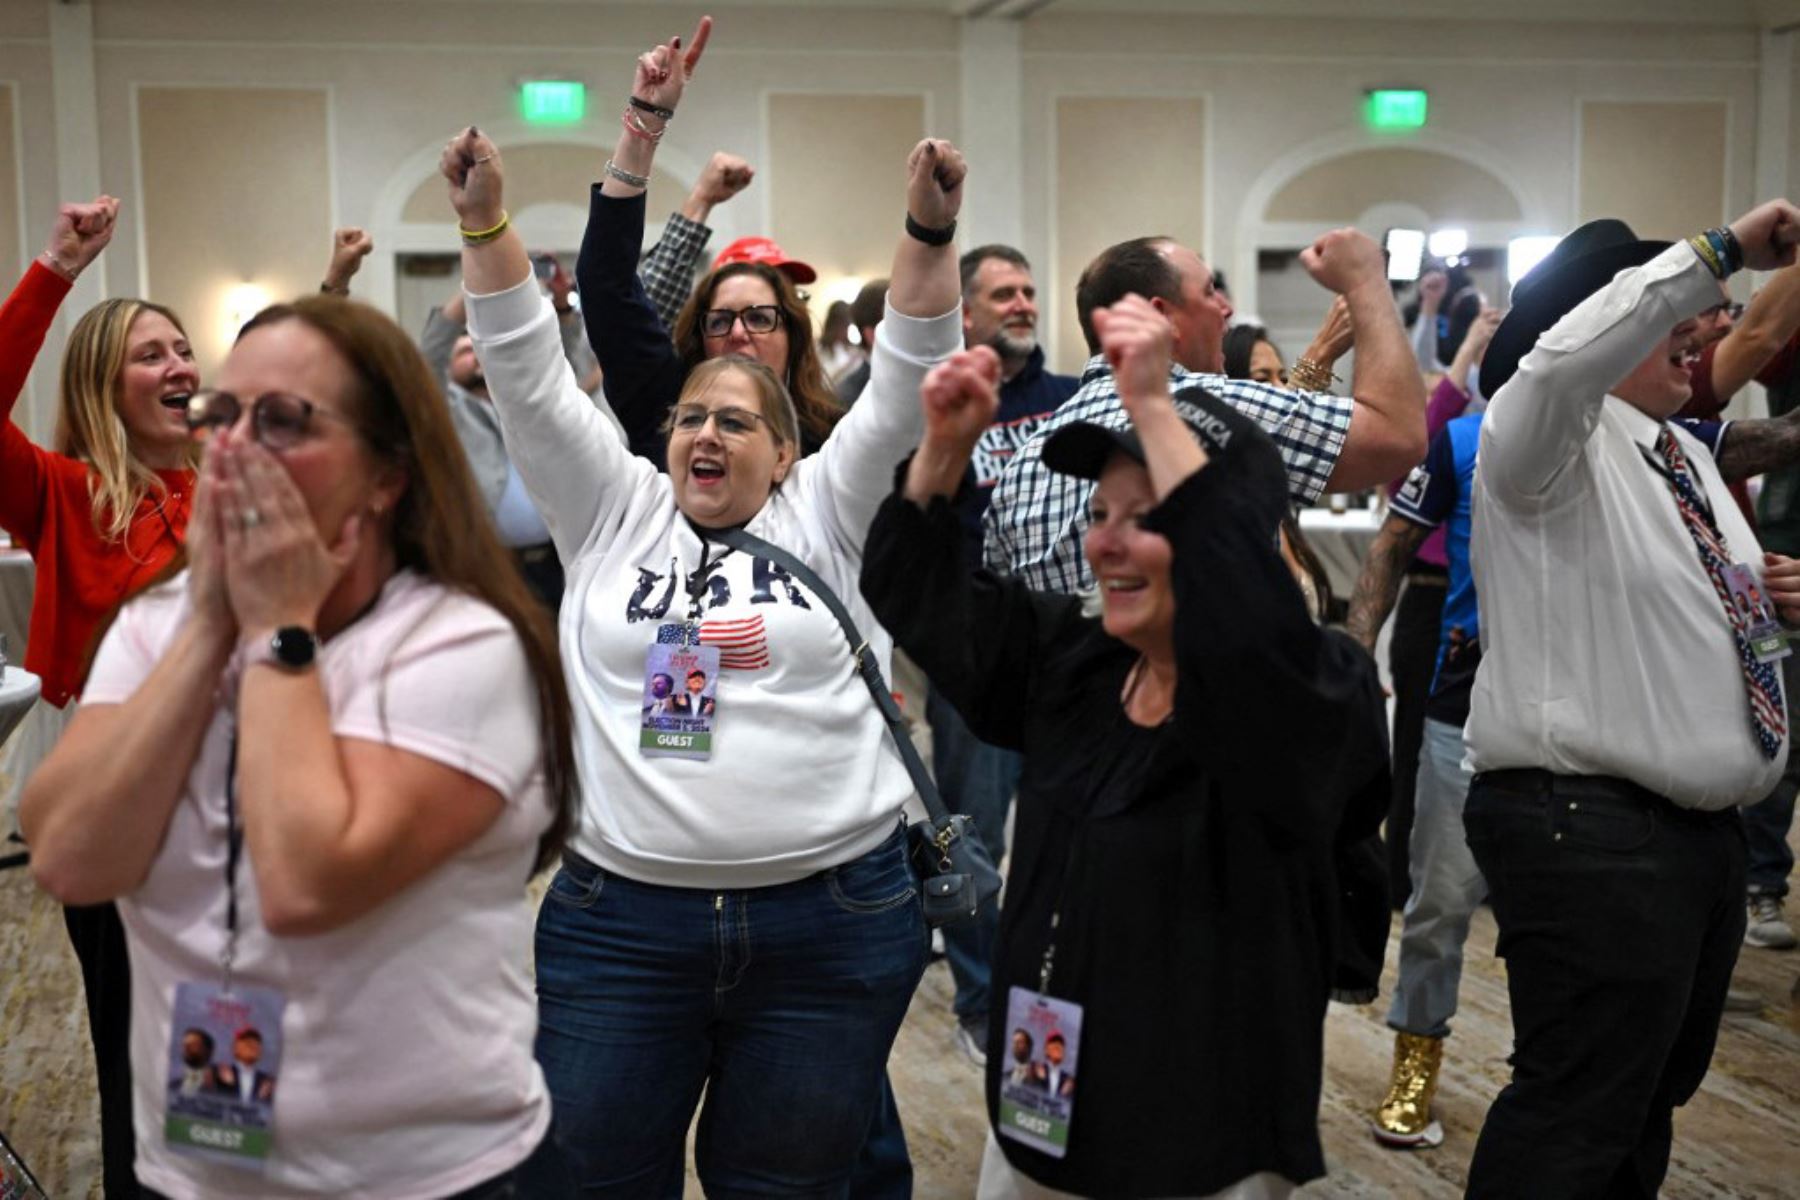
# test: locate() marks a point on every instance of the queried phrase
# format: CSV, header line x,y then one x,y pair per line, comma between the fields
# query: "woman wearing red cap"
x,y
746,306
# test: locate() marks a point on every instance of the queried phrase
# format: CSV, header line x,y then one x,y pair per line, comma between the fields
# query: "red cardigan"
x,y
44,504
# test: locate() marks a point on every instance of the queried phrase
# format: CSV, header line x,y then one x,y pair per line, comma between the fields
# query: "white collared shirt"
x,y
1605,649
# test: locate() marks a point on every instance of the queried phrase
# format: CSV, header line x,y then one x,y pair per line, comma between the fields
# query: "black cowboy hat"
x,y
1582,264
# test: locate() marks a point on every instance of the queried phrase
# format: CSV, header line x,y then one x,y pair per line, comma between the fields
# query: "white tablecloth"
x,y
1341,540
18,692
38,725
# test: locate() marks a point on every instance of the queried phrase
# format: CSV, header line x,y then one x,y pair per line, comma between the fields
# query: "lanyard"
x,y
234,845
1662,468
697,585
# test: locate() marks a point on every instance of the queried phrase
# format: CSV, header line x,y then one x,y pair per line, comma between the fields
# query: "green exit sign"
x,y
552,101
1397,108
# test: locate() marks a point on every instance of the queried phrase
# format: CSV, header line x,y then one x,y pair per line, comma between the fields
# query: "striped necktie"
x,y
1768,716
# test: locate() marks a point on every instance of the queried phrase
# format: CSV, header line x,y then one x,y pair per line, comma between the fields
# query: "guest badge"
x,y
1753,612
224,1059
1037,1078
680,702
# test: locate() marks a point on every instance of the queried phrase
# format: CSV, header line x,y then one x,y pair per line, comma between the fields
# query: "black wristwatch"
x,y
293,647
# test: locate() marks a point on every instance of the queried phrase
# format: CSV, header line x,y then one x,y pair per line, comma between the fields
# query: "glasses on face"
x,y
279,421
758,319
731,421
1728,308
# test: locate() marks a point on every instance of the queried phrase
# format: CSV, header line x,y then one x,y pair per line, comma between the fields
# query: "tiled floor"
x,y
1740,1138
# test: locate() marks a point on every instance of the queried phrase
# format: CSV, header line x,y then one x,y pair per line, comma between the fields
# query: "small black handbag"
x,y
956,874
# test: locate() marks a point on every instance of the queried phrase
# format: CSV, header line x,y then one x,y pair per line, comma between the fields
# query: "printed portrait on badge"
x,y
1753,612
680,706
223,1073
1038,1075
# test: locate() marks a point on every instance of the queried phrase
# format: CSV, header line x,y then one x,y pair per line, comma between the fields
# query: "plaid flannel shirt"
x,y
1037,518
667,268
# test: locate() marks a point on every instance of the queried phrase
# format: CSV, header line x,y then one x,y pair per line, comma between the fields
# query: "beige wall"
x,y
1282,95
12,260
1099,143
544,173
837,178
236,190
1659,167
1340,190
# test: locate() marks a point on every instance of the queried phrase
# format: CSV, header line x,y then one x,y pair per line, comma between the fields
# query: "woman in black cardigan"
x,y
1190,758
743,308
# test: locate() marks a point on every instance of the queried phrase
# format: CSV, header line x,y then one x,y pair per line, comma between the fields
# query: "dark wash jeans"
x,y
780,1002
977,780
1620,918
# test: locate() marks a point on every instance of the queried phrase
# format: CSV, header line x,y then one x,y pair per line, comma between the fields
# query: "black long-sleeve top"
x,y
1193,861
640,368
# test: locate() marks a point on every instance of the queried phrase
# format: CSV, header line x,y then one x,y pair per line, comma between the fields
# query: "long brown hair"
x,y
88,426
813,397
441,527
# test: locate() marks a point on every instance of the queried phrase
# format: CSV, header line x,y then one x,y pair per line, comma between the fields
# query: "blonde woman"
x,y
101,516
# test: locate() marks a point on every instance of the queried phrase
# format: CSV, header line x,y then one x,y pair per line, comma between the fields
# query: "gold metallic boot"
x,y
1404,1118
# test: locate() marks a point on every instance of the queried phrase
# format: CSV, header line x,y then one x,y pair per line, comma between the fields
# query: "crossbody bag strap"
x,y
866,666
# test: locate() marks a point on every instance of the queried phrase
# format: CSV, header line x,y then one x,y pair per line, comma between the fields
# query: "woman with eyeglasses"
x,y
100,515
736,914
744,309
315,769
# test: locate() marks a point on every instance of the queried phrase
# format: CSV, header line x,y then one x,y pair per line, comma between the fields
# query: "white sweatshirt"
x,y
803,774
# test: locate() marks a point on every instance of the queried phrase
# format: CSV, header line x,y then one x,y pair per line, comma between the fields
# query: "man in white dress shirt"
x,y
1621,713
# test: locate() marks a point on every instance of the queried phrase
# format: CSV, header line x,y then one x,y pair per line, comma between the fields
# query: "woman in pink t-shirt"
x,y
315,769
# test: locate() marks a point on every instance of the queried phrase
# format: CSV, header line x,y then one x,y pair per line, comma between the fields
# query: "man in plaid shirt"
x,y
1037,518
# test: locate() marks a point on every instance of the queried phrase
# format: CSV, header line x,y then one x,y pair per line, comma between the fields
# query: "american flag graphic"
x,y
743,645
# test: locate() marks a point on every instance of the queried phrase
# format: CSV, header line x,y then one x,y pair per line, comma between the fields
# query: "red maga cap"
x,y
764,250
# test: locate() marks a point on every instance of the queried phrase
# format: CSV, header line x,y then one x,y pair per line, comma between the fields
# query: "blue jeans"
x,y
1446,888
780,1002
1766,822
977,780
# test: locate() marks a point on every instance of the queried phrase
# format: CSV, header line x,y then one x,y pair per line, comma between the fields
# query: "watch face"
x,y
294,646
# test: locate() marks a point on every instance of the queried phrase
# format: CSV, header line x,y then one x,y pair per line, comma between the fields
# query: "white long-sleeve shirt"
x,y
803,774
1606,650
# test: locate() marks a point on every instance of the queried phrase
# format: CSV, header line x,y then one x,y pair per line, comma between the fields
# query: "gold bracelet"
x,y
472,238
1311,375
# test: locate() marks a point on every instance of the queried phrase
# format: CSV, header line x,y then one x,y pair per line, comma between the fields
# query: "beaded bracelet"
x,y
1311,375
626,177
472,237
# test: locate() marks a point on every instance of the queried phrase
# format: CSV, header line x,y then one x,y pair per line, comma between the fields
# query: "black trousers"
x,y
1412,656
98,937
1620,918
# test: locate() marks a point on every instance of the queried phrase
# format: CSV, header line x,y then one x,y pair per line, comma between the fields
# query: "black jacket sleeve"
x,y
642,372
980,638
1262,694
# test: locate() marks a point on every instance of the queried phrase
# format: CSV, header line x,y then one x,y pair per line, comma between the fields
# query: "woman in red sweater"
x,y
101,516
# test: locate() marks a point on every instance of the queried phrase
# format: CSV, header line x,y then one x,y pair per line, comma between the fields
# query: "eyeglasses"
x,y
758,319
731,421
279,421
1727,308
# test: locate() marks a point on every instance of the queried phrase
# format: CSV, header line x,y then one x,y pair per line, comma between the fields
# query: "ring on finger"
x,y
250,518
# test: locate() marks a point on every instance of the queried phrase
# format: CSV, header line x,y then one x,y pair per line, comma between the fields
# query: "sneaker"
x,y
1404,1119
971,1039
1766,927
